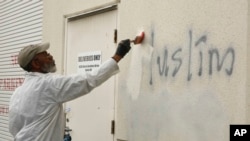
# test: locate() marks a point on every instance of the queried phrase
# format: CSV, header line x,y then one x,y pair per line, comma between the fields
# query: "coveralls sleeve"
x,y
71,87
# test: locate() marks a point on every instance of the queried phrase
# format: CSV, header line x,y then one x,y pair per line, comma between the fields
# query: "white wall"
x,y
172,89
248,68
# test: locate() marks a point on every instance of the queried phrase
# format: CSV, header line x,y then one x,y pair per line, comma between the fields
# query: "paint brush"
x,y
138,39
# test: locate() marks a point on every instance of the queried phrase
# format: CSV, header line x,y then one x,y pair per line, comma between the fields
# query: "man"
x,y
36,111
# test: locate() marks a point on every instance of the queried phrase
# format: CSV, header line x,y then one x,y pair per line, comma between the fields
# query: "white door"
x,y
90,116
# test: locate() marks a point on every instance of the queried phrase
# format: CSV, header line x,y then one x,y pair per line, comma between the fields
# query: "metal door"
x,y
90,116
20,25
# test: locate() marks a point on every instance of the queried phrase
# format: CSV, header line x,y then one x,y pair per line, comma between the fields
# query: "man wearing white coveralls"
x,y
36,111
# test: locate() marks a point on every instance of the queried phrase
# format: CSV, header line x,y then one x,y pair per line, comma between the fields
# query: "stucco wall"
x,y
187,81
248,68
172,87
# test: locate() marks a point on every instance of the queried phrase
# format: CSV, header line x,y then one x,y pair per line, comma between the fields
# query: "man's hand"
x,y
123,48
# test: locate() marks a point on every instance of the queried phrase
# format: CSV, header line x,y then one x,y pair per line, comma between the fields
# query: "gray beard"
x,y
49,68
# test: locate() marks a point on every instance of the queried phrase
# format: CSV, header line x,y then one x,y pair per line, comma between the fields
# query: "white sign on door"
x,y
88,61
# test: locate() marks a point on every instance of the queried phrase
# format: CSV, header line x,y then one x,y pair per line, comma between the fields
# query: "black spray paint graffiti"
x,y
214,59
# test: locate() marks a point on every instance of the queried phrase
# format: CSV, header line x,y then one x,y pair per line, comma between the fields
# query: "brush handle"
x,y
138,39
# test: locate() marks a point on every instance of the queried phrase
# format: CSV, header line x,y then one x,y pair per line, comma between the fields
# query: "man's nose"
x,y
50,56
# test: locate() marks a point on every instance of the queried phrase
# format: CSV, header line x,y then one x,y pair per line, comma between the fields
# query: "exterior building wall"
x,y
248,68
188,80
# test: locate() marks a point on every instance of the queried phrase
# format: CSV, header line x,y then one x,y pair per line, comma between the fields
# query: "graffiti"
x,y
10,84
152,44
4,110
170,64
213,52
14,59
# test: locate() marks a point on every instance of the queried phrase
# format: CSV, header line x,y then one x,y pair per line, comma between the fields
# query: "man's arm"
x,y
117,58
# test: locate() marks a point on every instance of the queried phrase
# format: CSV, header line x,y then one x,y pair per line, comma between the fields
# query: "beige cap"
x,y
28,53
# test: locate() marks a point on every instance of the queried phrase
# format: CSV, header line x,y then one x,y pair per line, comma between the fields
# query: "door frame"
x,y
79,15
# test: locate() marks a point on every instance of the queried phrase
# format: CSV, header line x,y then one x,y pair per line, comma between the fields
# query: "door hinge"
x,y
113,127
115,36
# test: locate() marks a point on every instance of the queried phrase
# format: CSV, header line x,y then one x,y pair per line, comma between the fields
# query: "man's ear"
x,y
35,64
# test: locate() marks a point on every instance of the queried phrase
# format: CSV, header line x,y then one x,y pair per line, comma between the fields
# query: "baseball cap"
x,y
29,52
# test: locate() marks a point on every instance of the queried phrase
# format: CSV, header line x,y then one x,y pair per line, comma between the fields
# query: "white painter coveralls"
x,y
36,111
